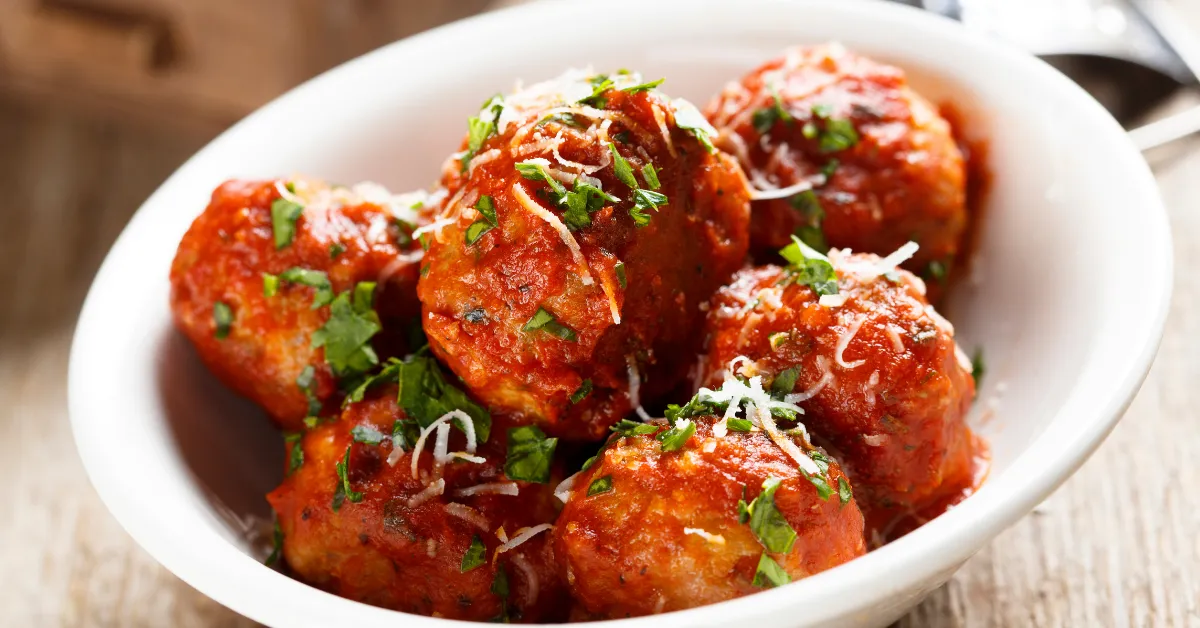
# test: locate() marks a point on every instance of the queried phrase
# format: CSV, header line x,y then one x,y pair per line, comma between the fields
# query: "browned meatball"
x,y
713,518
883,164
356,522
881,380
276,293
590,221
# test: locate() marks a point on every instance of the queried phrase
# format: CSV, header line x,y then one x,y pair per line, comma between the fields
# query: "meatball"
x,y
713,518
883,165
883,385
588,218
353,520
273,285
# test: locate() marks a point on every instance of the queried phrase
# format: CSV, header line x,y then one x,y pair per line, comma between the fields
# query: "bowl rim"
x,y
1088,414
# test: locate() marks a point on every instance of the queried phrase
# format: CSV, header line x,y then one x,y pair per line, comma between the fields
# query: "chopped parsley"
x,y
583,201
785,382
535,171
474,556
565,119
481,127
296,453
625,428
689,118
582,392
829,168
487,209
336,249
367,434
276,545
270,285
545,321
223,319
978,367
675,438
306,381
346,335
832,134
818,480
387,373
500,590
844,493
643,87
600,485
315,279
777,339
766,521
284,214
739,425
619,269
529,454
651,176
425,395
769,574
808,267
765,119
621,168
344,491
600,83
644,200
809,207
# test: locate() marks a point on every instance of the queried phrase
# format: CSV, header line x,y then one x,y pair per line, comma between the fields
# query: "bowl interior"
x,y
1044,301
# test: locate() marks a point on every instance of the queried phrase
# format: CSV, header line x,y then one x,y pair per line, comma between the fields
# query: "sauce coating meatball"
x,y
883,164
589,222
647,531
883,385
251,268
356,522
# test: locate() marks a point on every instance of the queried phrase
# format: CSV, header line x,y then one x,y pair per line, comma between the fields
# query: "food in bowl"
x,y
577,273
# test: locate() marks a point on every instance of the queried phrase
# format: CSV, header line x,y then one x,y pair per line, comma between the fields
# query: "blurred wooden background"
x,y
100,100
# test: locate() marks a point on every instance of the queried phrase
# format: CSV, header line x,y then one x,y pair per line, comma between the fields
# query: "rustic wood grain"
x,y
1118,545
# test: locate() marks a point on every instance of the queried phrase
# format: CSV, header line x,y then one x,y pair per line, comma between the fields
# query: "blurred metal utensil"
x,y
1129,55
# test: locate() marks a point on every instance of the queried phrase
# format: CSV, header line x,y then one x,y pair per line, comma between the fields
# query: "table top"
x,y
1117,545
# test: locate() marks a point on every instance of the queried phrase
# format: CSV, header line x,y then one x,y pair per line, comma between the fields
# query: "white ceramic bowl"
x,y
1070,300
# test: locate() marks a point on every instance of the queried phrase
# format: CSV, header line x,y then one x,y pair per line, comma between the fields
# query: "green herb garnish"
x,y
621,168
651,176
486,209
284,214
600,485
336,249
315,279
808,267
675,438
529,454
276,545
769,574
785,382
481,127
766,521
270,285
625,427
644,87
844,493
809,206
582,392
535,171
619,269
344,491
296,453
545,321
474,556
346,335
978,367
223,319
739,425
689,118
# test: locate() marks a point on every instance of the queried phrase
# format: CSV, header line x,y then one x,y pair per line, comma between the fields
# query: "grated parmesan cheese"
x,y
468,514
563,490
844,341
524,534
490,488
715,539
435,489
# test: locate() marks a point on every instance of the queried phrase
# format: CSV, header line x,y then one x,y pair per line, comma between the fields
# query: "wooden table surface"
x,y
1118,545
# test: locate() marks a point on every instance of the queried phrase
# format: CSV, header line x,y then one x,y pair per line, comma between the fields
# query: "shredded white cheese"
x,y
563,490
833,300
803,185
468,514
495,488
585,274
785,443
435,489
464,420
524,534
531,580
898,257
810,392
894,334
715,539
844,341
660,119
